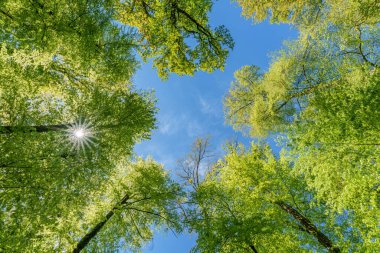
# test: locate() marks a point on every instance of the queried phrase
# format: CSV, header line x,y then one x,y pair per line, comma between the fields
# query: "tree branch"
x,y
252,247
96,229
38,129
6,14
361,50
309,227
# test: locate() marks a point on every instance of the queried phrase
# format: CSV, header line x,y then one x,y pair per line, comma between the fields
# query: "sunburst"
x,y
81,135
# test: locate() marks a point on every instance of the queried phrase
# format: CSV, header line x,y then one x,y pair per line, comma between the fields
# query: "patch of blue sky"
x,y
192,106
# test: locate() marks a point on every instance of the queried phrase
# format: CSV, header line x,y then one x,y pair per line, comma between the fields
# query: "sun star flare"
x,y
81,135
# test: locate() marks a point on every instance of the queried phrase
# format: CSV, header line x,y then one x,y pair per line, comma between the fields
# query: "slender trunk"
x,y
6,14
308,226
45,128
38,129
252,247
96,229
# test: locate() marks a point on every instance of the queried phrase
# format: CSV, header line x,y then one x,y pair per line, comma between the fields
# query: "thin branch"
x,y
145,8
6,14
361,50
158,215
135,225
152,213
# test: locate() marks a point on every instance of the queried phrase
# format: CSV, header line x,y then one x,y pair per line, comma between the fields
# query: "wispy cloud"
x,y
210,107
169,124
172,125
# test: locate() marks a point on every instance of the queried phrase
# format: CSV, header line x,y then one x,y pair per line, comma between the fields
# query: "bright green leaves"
x,y
81,34
309,14
176,35
258,102
98,36
151,201
277,11
336,145
321,93
54,222
65,63
42,174
250,199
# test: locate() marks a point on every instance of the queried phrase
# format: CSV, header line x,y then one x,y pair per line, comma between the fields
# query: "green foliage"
x,y
71,62
278,11
56,217
101,36
68,63
259,103
311,12
152,202
335,143
239,206
44,180
81,35
321,93
176,35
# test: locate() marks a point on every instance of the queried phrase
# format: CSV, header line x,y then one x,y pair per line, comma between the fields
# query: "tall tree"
x,y
101,36
252,202
320,94
111,214
168,30
69,117
49,169
146,199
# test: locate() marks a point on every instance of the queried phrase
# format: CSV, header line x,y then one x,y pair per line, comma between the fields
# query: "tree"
x,y
149,199
336,143
101,36
69,117
252,202
194,166
320,94
135,197
311,13
168,31
44,176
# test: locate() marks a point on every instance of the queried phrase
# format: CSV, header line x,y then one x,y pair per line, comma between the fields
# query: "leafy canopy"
x,y
252,201
320,93
65,64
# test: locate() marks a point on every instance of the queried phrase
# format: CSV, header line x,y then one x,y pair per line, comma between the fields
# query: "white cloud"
x,y
168,125
211,108
172,125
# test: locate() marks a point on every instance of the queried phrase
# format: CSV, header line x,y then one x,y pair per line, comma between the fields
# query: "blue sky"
x,y
191,106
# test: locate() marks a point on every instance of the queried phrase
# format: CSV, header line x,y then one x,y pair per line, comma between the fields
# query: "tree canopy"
x,y
252,201
70,117
320,94
103,36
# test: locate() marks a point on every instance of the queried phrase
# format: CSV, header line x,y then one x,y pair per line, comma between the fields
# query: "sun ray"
x,y
81,135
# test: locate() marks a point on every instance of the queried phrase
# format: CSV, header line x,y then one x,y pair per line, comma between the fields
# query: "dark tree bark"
x,y
45,128
38,129
252,247
308,226
96,229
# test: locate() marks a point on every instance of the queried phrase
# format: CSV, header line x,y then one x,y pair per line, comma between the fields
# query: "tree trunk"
x,y
252,247
96,229
46,128
308,226
38,129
